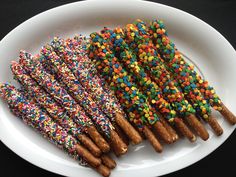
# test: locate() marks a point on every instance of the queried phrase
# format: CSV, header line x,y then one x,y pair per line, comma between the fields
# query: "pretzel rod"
x,y
45,124
81,66
55,111
149,88
188,87
48,82
99,84
84,99
139,110
121,134
108,161
166,87
79,93
171,54
46,64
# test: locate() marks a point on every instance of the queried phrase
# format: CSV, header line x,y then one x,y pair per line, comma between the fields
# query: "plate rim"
x,y
38,16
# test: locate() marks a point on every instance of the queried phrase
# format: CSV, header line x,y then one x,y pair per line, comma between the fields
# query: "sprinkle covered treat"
x,y
140,112
49,83
73,52
191,93
48,128
57,112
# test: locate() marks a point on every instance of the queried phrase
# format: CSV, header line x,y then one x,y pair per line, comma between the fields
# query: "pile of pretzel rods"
x,y
93,96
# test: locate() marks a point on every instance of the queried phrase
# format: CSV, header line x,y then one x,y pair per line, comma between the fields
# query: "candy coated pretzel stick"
x,y
171,54
75,57
147,57
45,124
49,83
190,91
55,111
84,99
140,112
150,88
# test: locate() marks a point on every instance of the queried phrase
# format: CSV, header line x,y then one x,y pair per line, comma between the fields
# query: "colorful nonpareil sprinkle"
x,y
44,100
136,104
147,56
148,87
73,52
48,82
38,119
78,92
178,72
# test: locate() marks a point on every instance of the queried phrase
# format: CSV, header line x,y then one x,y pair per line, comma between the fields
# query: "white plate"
x,y
196,39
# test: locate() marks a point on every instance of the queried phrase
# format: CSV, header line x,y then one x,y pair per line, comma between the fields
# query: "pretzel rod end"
x,y
182,127
228,115
197,126
215,125
129,130
117,142
89,144
121,134
103,170
152,139
162,132
93,161
170,130
98,139
108,161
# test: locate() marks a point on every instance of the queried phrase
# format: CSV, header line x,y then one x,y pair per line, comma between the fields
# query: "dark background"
x,y
221,14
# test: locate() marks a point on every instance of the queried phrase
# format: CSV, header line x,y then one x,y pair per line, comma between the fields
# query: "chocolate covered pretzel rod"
x,y
147,57
149,88
74,55
176,60
84,99
91,80
48,128
139,110
48,82
50,105
192,94
47,66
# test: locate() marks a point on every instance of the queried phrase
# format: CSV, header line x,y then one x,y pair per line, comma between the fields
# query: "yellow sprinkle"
x,y
213,91
153,101
103,47
201,81
132,34
132,88
155,35
171,120
204,101
132,66
182,62
122,85
146,115
148,82
172,112
118,37
205,116
150,58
